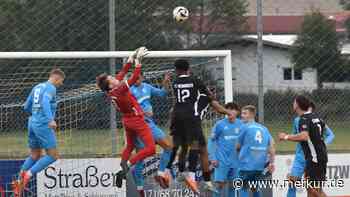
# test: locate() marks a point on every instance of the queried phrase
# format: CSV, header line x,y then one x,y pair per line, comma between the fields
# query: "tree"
x,y
39,25
317,46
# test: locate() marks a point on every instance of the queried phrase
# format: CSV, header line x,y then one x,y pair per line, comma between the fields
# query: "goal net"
x,y
90,135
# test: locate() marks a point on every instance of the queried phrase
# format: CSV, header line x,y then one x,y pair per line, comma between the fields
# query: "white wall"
x,y
275,59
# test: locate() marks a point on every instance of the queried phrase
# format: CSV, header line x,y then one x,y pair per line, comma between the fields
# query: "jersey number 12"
x,y
182,94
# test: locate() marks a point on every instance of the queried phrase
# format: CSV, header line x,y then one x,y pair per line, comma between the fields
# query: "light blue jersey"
x,y
254,140
41,103
221,145
143,94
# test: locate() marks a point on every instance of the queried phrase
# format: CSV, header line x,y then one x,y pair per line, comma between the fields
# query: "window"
x,y
298,74
234,73
287,74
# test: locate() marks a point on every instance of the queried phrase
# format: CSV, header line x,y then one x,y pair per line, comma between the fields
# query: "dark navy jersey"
x,y
315,148
191,97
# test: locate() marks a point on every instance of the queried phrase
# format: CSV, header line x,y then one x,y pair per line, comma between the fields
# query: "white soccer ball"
x,y
181,14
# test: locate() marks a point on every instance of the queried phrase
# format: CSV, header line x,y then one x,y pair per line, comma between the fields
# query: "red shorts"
x,y
136,127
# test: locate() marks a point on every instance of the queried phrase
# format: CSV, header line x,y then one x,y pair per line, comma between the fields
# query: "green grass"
x,y
98,143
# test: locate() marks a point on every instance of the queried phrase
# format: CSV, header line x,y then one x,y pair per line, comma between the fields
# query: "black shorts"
x,y
187,132
316,172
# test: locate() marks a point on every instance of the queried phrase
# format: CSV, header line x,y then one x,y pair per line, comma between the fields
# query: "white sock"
x,y
160,173
192,175
167,170
29,173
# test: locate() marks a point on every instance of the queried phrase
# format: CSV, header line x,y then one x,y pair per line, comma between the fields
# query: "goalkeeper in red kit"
x,y
132,114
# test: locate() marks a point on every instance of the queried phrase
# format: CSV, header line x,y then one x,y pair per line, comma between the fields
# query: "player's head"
x,y
106,82
182,66
312,106
234,108
301,104
248,113
140,79
56,77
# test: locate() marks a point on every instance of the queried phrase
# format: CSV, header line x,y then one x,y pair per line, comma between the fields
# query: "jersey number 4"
x,y
258,137
182,94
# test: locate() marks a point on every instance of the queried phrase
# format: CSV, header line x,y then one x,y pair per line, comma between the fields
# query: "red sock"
x,y
142,193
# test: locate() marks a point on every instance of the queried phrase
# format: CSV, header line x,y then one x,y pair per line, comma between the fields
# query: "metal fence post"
x,y
112,62
260,61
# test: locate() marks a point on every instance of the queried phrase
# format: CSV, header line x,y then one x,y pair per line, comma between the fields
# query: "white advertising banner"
x,y
338,171
80,178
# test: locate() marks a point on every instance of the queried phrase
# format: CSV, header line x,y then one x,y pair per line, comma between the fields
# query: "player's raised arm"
x,y
141,53
121,74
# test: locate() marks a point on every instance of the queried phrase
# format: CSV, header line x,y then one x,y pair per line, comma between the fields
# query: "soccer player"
x,y
187,129
132,114
143,93
299,162
222,154
310,134
256,149
41,104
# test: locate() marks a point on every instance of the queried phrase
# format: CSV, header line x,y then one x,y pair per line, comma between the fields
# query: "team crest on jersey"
x,y
226,127
304,126
236,130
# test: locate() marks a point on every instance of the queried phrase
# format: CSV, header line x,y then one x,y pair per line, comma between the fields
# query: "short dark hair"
x,y
303,102
57,71
102,82
232,106
182,64
250,108
313,105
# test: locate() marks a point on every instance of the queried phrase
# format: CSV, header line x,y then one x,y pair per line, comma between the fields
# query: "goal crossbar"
x,y
225,54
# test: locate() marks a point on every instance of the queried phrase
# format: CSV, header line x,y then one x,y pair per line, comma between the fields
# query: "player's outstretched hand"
x,y
133,55
282,136
141,53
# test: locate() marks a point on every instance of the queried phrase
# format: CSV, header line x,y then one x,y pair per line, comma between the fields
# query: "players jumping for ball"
x,y
187,129
132,114
143,93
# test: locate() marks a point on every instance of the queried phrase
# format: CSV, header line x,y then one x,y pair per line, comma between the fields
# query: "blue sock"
x,y
243,192
231,192
220,191
292,192
138,176
41,164
257,194
28,163
164,159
